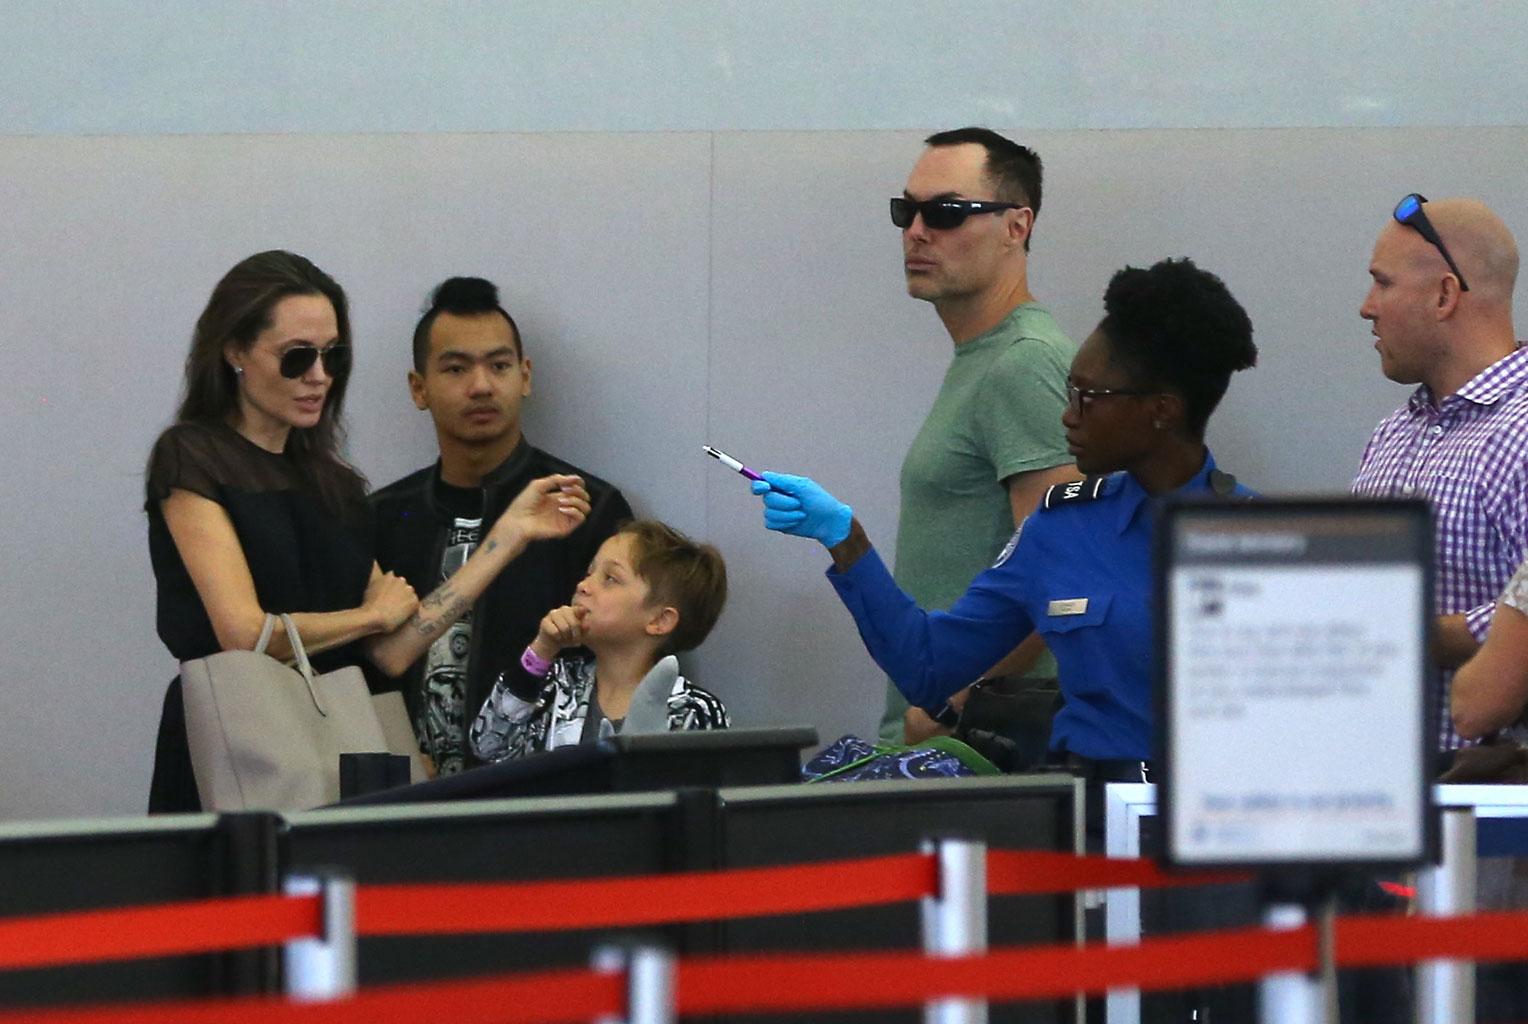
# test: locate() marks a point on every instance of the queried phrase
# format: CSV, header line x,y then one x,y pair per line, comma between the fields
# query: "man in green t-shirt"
x,y
992,443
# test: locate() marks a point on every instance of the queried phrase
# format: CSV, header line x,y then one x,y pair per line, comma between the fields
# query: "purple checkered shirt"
x,y
1469,458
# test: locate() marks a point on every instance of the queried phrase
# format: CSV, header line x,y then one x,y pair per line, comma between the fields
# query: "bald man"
x,y
1441,306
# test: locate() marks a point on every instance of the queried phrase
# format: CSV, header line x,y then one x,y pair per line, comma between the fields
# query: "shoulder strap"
x,y
304,667
1074,492
265,633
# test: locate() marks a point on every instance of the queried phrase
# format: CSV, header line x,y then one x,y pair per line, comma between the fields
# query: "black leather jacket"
x,y
410,539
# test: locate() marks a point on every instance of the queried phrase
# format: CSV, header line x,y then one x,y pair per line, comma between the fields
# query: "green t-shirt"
x,y
998,413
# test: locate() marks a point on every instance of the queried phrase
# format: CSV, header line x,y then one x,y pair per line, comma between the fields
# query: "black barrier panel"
x,y
766,827
622,764
62,866
497,841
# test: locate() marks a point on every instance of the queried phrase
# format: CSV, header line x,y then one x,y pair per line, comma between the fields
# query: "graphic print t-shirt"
x,y
442,726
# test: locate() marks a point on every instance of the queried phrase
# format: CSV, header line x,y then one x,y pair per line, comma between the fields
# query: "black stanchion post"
x,y
248,864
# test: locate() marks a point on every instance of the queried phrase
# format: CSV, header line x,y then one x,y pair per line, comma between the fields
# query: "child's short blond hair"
x,y
682,574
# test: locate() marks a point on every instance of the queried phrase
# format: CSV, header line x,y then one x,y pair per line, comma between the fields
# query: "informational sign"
x,y
1297,691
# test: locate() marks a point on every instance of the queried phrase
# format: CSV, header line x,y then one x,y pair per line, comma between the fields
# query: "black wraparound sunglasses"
x,y
299,359
1409,212
943,214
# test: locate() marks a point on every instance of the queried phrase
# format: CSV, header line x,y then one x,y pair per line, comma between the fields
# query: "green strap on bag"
x,y
949,745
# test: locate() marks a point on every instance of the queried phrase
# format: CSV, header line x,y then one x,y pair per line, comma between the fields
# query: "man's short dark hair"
x,y
1015,170
1177,327
460,296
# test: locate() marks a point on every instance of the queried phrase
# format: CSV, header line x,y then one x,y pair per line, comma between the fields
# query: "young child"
x,y
650,593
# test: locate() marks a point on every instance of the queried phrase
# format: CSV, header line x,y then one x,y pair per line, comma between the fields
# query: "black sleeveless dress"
x,y
303,556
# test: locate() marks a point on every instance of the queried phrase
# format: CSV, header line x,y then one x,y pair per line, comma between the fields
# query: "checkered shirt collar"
x,y
1487,387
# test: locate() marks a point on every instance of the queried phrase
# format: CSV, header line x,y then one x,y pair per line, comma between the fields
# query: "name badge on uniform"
x,y
1070,606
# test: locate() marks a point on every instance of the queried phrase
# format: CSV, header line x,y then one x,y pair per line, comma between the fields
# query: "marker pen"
x,y
730,462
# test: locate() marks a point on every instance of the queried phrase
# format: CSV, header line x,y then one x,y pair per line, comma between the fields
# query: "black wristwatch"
x,y
946,715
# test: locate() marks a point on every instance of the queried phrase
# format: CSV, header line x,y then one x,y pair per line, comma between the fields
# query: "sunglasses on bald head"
x,y
299,359
1409,212
943,214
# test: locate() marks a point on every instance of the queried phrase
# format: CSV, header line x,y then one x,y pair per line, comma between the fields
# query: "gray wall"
x,y
680,275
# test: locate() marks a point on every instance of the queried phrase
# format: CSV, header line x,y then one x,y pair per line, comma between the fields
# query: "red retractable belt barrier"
x,y
548,997
173,929
847,981
724,895
1011,872
880,980
1380,941
247,921
649,900
241,922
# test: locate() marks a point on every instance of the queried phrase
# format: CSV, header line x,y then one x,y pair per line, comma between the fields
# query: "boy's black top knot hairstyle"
x,y
465,295
460,296
1178,327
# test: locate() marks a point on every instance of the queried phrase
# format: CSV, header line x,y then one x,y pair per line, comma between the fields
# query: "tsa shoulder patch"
x,y
1075,492
1008,548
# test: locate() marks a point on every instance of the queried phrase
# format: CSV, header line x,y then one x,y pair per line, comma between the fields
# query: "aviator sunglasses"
x,y
943,214
1409,212
299,359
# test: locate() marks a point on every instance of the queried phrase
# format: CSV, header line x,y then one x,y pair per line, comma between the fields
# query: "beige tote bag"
x,y
268,736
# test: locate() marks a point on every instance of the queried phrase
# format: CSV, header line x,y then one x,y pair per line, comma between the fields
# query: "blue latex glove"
x,y
799,506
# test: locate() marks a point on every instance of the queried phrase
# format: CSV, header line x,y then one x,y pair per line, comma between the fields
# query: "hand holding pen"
x,y
795,505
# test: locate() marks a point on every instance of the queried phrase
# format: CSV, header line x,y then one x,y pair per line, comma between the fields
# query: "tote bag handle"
x,y
304,667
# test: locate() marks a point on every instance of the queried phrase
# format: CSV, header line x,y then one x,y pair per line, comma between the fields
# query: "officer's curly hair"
x,y
1178,328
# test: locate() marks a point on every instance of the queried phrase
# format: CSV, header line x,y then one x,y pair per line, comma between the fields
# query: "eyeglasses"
x,y
299,359
1409,212
1076,396
943,214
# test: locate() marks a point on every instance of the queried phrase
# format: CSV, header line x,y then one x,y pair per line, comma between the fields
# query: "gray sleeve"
x,y
504,725
1516,592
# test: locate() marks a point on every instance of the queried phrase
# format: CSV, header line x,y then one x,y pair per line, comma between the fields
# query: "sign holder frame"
x,y
1292,875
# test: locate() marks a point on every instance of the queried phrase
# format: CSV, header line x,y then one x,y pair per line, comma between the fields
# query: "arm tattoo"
x,y
445,607
441,595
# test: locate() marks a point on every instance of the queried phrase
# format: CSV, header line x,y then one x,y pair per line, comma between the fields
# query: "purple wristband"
x,y
535,664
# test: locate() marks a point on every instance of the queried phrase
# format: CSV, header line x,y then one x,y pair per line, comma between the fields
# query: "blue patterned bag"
x,y
851,759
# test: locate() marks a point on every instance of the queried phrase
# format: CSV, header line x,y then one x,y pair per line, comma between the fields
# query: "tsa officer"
x,y
1140,392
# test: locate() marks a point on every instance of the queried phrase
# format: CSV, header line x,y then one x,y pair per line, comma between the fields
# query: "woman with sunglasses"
x,y
1141,389
253,510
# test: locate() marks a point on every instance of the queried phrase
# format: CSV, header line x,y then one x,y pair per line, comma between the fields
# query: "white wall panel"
x,y
600,247
741,288
197,66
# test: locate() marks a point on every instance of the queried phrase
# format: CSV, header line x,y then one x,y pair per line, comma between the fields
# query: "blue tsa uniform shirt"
x,y
1078,571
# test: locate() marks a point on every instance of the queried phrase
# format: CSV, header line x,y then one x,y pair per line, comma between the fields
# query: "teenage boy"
x,y
470,373
605,663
